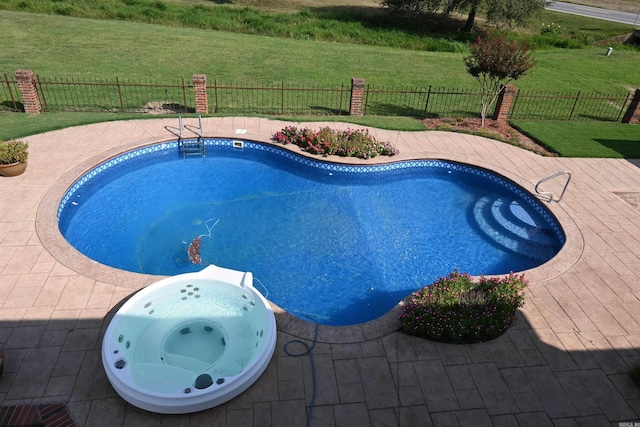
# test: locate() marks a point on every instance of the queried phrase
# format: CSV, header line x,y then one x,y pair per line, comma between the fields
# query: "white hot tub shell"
x,y
189,342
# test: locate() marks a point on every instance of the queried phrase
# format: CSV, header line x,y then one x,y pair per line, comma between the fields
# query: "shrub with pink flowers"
x,y
454,309
327,141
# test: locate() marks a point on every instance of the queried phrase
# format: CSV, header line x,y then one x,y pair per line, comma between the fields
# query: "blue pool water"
x,y
336,244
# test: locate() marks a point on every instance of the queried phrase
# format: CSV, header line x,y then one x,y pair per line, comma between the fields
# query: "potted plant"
x,y
13,157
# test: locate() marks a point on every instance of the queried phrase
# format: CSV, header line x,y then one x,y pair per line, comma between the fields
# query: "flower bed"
x,y
326,141
454,309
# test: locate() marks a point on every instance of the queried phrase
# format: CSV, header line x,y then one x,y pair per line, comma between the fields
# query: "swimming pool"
x,y
337,244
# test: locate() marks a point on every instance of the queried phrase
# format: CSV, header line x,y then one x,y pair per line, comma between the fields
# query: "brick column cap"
x,y
24,74
357,82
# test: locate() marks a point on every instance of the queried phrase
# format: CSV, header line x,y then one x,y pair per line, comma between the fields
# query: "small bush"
x,y
326,141
454,309
445,128
549,41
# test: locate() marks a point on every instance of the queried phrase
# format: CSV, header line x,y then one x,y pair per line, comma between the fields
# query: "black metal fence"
x,y
114,96
58,95
9,94
568,106
421,102
278,98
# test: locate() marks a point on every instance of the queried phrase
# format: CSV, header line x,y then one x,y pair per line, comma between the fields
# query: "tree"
x,y
413,7
513,13
510,13
494,62
463,5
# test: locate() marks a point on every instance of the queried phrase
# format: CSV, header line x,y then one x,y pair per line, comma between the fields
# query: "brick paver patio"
x,y
564,363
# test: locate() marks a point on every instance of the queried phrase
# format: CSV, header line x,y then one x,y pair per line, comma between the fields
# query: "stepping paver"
x,y
350,387
537,419
554,399
288,413
474,417
460,377
414,416
493,389
556,360
326,382
32,377
380,389
436,388
580,397
505,354
605,394
107,412
352,414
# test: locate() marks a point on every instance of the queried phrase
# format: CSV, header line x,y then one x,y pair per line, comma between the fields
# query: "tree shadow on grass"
x,y
380,19
627,148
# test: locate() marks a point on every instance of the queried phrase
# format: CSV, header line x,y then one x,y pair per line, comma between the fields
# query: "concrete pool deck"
x,y
564,362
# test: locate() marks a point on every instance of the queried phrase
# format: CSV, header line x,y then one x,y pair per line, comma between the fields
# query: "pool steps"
x,y
514,228
189,147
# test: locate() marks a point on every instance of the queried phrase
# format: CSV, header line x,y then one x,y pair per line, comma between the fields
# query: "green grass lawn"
x,y
343,21
65,47
585,139
18,125
69,47
56,46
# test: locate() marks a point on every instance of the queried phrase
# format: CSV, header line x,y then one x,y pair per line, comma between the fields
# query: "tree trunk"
x,y
468,27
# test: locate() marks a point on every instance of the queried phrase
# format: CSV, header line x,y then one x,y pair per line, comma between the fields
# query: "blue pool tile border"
x,y
129,156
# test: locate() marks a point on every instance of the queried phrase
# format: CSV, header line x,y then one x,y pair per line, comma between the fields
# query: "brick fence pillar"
x,y
503,104
28,91
357,96
200,93
633,112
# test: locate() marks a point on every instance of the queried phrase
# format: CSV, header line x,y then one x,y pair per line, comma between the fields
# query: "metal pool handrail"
x,y
548,193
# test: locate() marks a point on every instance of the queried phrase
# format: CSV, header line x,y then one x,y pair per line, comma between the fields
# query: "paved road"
x,y
595,12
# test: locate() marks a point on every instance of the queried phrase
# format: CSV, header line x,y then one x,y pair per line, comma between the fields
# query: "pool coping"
x,y
53,241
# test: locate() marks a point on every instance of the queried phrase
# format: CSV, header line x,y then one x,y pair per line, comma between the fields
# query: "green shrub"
x,y
326,141
64,10
454,309
542,41
13,151
444,128
552,29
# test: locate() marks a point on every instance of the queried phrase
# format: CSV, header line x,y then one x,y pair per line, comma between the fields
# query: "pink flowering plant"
x,y
454,309
327,141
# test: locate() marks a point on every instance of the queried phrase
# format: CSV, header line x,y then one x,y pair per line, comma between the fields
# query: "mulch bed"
x,y
500,130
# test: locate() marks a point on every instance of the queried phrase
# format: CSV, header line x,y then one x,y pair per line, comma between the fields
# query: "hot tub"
x,y
189,342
